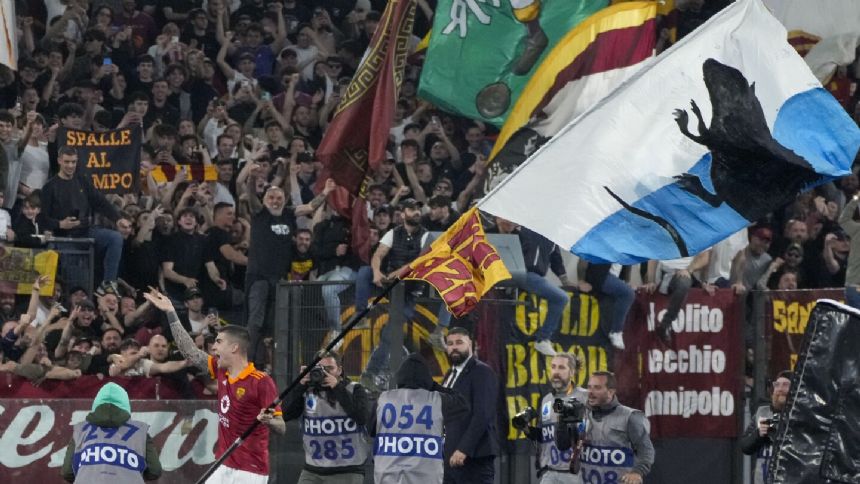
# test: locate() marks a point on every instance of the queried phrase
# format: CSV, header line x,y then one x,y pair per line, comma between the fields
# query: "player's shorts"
x,y
228,475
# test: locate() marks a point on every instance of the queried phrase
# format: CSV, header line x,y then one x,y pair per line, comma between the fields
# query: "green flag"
x,y
482,52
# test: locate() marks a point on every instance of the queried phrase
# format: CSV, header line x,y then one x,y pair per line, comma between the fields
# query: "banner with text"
x,y
692,389
19,267
785,316
524,374
110,158
34,435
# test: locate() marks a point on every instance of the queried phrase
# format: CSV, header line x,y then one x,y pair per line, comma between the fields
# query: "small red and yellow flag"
x,y
461,264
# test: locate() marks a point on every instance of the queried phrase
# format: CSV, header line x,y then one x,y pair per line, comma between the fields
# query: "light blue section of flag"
x,y
811,123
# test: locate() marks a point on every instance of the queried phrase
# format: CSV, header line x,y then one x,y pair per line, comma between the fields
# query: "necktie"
x,y
451,378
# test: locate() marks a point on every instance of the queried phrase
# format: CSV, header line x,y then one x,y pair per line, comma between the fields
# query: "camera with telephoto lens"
x,y
521,420
316,377
569,410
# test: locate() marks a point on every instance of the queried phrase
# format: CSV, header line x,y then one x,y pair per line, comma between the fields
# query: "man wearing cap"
x,y
110,447
199,321
751,263
397,248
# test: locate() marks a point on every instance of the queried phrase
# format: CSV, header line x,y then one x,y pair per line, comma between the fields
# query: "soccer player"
x,y
244,393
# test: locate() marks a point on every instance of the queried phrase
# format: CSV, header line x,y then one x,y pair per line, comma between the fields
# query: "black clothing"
x,y
328,234
26,230
187,252
405,248
271,250
540,253
63,198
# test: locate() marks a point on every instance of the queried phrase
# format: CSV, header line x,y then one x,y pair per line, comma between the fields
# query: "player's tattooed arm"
x,y
195,356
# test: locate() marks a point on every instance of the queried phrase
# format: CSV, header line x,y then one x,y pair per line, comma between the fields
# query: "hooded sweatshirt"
x,y
111,408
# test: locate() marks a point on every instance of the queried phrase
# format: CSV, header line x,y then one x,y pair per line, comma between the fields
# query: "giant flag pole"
x,y
721,129
355,141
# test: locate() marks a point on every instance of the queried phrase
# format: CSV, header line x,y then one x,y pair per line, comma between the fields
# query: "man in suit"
x,y
470,441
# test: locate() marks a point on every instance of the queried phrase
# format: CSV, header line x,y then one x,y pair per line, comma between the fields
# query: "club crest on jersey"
x,y
311,403
240,392
225,403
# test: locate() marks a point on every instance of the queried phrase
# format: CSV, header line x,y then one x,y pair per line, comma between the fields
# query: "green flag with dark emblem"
x,y
496,45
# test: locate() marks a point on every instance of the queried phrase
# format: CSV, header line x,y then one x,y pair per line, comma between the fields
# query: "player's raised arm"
x,y
184,342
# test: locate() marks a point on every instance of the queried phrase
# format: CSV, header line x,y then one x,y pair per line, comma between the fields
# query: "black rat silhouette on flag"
x,y
750,171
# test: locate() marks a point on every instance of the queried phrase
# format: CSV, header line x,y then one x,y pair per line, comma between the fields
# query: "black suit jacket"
x,y
475,433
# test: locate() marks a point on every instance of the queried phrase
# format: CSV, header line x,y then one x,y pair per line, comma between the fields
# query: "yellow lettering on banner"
x,y
517,373
70,138
125,137
586,323
110,181
96,161
790,317
792,358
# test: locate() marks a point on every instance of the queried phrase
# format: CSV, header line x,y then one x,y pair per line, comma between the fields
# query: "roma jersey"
x,y
240,400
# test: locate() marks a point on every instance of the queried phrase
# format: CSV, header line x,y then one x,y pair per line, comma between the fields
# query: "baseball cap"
x,y
191,293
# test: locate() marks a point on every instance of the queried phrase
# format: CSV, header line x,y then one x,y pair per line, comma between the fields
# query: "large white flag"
x,y
8,34
726,126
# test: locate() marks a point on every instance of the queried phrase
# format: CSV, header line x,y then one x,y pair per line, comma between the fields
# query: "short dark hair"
x,y
221,206
145,58
138,96
129,343
70,109
459,330
6,116
34,199
238,334
66,151
610,378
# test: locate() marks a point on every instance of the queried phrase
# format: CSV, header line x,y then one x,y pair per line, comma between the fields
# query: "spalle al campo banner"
x,y
111,159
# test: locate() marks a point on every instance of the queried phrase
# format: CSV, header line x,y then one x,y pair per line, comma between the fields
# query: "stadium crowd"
x,y
250,87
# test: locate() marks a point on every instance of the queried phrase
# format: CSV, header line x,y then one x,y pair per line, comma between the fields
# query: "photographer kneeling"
x,y
756,440
616,446
564,406
334,412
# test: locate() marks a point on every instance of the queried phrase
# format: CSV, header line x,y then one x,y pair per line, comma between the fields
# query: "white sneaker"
x,y
617,341
545,346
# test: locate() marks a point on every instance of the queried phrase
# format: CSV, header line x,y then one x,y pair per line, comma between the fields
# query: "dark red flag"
x,y
356,139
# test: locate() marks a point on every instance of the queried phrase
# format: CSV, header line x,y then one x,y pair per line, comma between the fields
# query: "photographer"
x,y
613,433
756,440
334,412
565,396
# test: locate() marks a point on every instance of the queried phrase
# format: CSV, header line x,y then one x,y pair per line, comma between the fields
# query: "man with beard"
x,y
270,255
7,307
110,342
244,394
756,440
611,429
397,248
554,463
470,444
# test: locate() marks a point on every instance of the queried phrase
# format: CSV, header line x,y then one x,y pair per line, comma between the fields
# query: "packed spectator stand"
x,y
249,87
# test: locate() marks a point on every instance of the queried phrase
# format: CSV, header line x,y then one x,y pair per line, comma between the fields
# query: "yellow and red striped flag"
x,y
196,172
461,264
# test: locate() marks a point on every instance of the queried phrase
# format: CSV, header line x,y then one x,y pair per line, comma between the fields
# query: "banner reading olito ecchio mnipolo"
x,y
693,387
111,159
